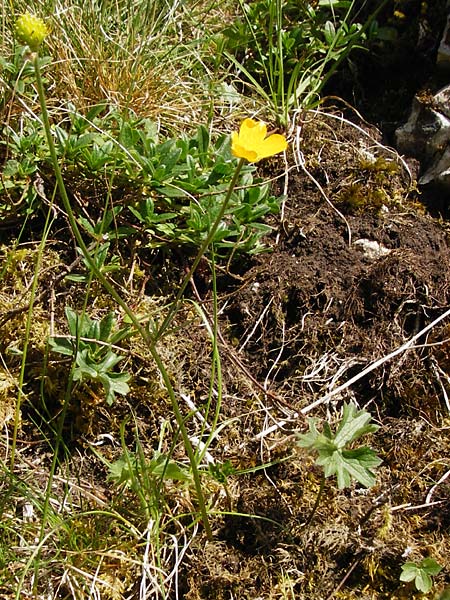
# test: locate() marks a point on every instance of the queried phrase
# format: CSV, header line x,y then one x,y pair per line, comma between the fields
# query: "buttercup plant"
x,y
100,500
31,31
249,145
173,187
336,454
27,36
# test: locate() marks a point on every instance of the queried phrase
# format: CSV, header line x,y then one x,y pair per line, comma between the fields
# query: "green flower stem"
x,y
209,238
216,372
124,306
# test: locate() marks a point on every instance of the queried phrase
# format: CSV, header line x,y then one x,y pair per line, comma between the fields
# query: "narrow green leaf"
x,y
72,320
203,144
105,327
62,345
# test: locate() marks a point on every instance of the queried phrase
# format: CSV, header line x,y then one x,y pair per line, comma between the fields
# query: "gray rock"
x,y
443,55
426,136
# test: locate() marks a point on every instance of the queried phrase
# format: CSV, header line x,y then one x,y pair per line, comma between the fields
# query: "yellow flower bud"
x,y
31,30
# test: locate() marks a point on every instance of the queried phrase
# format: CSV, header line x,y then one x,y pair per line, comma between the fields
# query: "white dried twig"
x,y
300,162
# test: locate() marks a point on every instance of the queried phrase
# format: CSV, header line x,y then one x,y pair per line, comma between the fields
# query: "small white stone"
x,y
371,249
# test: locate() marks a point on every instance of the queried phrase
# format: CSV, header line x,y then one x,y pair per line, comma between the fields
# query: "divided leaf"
x,y
334,455
348,464
353,425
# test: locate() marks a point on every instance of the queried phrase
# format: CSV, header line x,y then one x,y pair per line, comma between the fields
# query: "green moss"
x,y
380,165
358,197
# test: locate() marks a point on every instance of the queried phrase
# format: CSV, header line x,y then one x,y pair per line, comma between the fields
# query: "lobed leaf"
x,y
334,455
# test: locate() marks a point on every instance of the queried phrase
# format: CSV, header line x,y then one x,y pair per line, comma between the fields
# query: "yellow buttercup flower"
x,y
31,30
253,144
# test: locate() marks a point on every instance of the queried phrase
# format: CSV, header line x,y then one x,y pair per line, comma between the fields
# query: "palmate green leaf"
x,y
114,383
334,455
350,464
122,470
89,369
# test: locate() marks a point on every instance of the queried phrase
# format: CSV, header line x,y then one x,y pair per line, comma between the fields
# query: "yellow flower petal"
x,y
272,145
242,152
252,144
252,132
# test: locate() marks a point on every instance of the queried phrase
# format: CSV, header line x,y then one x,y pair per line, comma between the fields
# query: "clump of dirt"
x,y
345,285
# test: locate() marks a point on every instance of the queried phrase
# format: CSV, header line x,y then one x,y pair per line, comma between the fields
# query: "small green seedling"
x,y
421,573
145,476
335,456
128,470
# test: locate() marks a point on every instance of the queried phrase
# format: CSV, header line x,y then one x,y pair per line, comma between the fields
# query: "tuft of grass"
x,y
286,52
128,55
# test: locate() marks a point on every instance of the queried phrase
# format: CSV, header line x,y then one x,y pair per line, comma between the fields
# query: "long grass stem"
x,y
28,324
